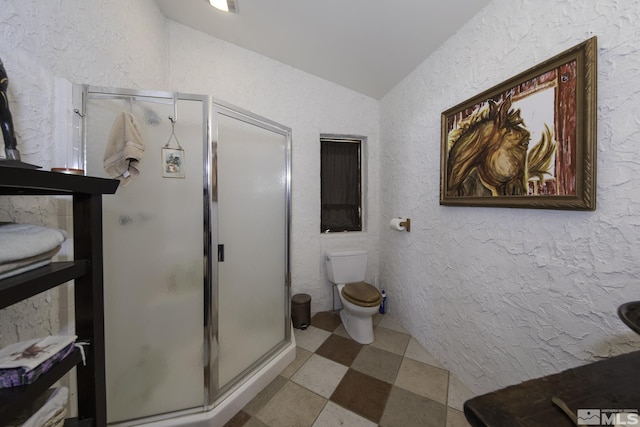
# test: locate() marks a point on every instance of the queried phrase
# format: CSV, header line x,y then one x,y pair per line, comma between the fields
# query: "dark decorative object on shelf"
x,y
629,313
6,122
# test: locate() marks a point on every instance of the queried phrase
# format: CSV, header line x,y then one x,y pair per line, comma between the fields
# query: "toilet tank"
x,y
346,266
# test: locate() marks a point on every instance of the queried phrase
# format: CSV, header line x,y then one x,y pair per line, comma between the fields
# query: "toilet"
x,y
360,300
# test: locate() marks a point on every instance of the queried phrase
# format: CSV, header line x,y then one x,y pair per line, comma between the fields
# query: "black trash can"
x,y
301,311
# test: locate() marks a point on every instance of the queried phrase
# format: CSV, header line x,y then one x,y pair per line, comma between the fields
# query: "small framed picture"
x,y
172,163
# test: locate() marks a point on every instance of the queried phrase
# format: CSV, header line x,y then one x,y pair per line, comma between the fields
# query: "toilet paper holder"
x,y
400,224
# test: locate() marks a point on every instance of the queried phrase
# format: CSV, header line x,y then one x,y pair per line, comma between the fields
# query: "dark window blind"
x,y
340,185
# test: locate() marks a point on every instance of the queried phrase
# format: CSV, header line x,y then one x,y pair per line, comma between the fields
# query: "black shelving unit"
x,y
86,270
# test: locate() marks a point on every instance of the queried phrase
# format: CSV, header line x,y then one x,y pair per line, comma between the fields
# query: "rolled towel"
x,y
20,241
12,268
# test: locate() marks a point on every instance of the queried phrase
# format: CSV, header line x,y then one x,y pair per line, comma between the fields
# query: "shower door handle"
x,y
220,253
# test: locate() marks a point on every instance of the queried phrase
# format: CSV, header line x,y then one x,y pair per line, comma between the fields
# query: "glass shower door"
x,y
153,256
252,209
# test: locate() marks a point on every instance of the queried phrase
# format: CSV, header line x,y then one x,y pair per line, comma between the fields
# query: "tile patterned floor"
x,y
334,381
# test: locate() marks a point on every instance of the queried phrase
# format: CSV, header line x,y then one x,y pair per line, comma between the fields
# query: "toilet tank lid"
x,y
346,252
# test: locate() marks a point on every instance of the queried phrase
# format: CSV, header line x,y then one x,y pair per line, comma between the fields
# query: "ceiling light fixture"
x,y
225,5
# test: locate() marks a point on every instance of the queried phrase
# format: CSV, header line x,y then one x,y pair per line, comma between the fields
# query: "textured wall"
x,y
119,43
504,295
501,295
309,106
106,43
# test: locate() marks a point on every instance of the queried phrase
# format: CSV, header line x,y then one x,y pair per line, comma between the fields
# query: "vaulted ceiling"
x,y
365,45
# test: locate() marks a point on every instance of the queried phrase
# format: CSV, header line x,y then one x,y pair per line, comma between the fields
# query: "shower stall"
x,y
196,253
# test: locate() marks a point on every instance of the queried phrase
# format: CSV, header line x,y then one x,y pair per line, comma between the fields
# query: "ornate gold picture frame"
x,y
529,142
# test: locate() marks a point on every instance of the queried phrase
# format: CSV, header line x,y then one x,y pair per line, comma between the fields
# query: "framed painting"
x,y
529,142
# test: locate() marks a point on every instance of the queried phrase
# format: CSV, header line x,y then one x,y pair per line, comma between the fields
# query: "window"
x,y
340,184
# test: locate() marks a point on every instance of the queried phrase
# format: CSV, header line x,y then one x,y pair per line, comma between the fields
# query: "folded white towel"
x,y
13,268
24,268
20,241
